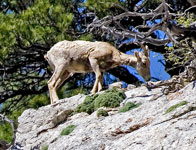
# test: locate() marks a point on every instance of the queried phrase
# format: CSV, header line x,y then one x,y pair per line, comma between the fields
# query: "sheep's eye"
x,y
144,64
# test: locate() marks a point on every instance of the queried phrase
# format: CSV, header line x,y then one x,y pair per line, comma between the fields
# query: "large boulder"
x,y
165,122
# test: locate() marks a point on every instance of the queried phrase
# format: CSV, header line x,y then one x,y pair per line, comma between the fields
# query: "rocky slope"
x,y
161,122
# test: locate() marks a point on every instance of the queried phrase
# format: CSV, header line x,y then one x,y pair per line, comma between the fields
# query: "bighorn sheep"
x,y
69,57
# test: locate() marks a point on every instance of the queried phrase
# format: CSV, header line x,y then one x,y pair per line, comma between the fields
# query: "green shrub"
x,y
39,101
102,112
110,98
87,106
45,147
67,130
172,108
6,132
128,106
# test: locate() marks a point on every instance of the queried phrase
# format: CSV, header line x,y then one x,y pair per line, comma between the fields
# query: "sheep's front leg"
x,y
96,69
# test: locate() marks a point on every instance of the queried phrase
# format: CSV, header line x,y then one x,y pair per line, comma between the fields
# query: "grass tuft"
x,y
128,106
45,147
67,130
102,112
172,108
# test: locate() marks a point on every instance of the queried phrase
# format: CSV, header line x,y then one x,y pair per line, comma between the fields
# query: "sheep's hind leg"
x,y
97,72
52,84
64,77
100,83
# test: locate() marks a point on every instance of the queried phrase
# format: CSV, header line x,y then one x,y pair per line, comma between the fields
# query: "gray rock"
x,y
147,127
115,85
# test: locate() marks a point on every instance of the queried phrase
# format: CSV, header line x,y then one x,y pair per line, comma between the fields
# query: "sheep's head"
x,y
143,63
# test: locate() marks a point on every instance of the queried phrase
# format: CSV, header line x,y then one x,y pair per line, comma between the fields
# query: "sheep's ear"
x,y
146,50
137,56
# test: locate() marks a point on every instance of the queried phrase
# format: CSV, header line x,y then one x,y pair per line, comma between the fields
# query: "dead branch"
x,y
111,25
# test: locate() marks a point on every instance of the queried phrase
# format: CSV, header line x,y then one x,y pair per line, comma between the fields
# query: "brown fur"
x,y
69,57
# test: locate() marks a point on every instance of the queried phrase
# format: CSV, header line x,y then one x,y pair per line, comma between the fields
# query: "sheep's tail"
x,y
46,57
49,61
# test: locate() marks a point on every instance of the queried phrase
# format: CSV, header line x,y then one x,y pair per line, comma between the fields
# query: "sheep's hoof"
x,y
54,103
